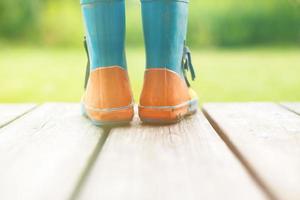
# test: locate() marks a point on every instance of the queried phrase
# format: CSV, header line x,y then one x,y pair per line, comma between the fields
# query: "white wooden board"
x,y
44,154
183,161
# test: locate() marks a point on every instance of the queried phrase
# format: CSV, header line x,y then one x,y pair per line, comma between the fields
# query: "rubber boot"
x,y
107,99
166,96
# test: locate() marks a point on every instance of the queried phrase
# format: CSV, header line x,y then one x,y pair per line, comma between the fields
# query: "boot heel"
x,y
109,117
167,114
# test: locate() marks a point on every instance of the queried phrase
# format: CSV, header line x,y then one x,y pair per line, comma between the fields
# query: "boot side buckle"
x,y
187,64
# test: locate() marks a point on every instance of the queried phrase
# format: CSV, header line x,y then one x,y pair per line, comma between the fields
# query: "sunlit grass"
x,y
40,75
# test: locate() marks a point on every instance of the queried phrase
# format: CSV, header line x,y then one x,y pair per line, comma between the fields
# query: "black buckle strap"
x,y
187,65
87,71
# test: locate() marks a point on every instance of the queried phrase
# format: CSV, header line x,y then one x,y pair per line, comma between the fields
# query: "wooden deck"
x,y
229,151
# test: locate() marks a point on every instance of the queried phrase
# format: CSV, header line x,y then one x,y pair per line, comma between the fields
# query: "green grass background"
x,y
42,59
212,23
34,74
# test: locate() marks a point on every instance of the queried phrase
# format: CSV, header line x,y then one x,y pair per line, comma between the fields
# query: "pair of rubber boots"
x,y
166,95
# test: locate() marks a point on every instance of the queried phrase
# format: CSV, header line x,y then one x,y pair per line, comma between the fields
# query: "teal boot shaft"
x,y
105,32
165,27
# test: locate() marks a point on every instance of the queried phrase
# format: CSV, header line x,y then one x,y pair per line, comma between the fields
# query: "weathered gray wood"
x,y
267,138
44,154
9,112
183,161
295,107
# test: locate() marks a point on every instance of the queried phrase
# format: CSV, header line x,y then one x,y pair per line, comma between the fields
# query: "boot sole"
x,y
112,112
167,114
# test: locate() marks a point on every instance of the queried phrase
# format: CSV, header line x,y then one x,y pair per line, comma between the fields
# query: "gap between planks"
x,y
292,107
239,155
265,137
56,132
21,110
89,166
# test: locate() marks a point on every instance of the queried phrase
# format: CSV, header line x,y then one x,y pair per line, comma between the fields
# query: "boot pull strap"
x,y
187,64
87,71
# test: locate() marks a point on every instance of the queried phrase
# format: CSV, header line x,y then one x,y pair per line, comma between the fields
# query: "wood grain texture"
x,y
10,112
294,107
267,137
43,154
183,161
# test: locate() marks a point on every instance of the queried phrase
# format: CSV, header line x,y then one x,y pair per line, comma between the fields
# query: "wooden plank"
x,y
44,154
10,112
294,107
183,161
267,139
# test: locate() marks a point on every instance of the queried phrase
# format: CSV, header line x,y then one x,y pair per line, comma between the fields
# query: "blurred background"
x,y
242,50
